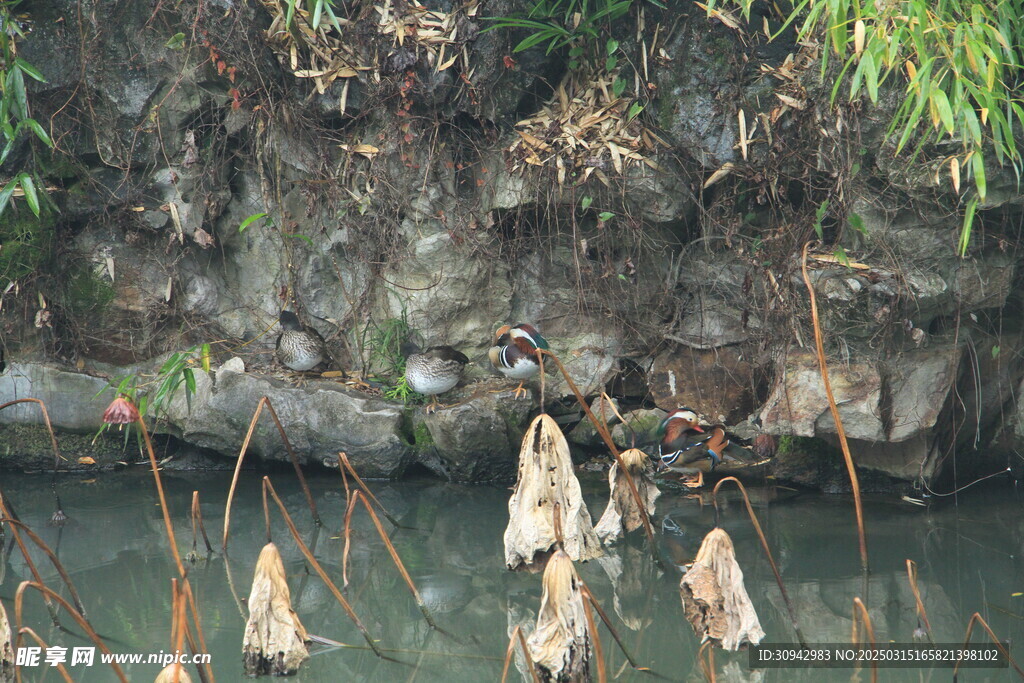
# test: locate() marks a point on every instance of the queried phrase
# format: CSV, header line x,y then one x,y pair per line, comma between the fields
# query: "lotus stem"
x,y
197,520
43,644
319,570
19,597
840,432
369,494
921,613
602,675
28,561
53,560
977,618
241,457
606,437
860,615
767,551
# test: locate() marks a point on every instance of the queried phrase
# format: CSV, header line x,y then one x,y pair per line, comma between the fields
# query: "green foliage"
x,y
317,11
14,107
580,24
25,244
85,292
386,345
151,395
957,62
403,392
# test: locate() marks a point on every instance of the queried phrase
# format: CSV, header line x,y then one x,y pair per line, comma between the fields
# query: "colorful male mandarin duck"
x,y
434,371
514,353
299,348
688,448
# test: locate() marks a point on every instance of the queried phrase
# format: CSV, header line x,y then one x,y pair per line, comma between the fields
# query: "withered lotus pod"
x,y
714,600
173,673
6,648
547,482
560,645
622,514
275,640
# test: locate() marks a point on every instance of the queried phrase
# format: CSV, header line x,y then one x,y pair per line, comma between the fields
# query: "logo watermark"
x,y
86,656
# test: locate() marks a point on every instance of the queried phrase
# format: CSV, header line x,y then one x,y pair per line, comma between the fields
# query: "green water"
x,y
115,551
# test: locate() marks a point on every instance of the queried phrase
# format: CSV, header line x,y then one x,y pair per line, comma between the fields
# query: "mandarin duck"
x,y
688,448
434,371
514,353
299,348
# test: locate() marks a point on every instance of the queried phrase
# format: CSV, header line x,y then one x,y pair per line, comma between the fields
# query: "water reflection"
x,y
114,548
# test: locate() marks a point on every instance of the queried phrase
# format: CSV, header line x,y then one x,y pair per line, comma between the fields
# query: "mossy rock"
x,y
27,242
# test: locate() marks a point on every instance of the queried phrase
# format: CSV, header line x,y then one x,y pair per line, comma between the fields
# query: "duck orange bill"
x,y
697,428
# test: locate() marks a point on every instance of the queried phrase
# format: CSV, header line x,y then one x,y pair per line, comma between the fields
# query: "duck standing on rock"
x,y
434,371
514,353
688,448
299,348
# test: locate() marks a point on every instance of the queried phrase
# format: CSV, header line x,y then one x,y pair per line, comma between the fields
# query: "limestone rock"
x,y
798,405
473,441
716,383
640,428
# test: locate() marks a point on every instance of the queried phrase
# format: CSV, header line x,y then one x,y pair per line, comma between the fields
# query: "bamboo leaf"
x,y
978,166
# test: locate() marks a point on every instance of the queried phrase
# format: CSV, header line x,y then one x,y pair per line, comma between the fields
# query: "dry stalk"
x,y
241,457
517,635
607,438
358,495
922,615
162,497
320,570
205,673
6,514
369,494
588,598
197,520
860,615
42,643
767,551
46,420
19,597
840,432
976,617
708,667
350,507
53,559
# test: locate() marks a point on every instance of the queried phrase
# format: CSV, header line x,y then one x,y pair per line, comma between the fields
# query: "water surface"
x,y
114,547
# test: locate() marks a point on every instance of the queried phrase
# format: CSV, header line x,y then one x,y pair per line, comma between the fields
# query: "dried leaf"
x,y
722,172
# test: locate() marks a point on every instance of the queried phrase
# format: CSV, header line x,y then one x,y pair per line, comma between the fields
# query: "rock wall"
x,y
457,199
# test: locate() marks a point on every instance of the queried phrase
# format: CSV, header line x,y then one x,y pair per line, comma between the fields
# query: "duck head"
x,y
290,321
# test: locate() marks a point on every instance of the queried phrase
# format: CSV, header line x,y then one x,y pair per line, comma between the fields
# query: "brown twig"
x,y
241,457
707,667
186,588
350,507
840,432
589,595
162,497
921,614
977,618
46,420
767,551
634,492
28,560
860,615
319,570
19,597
